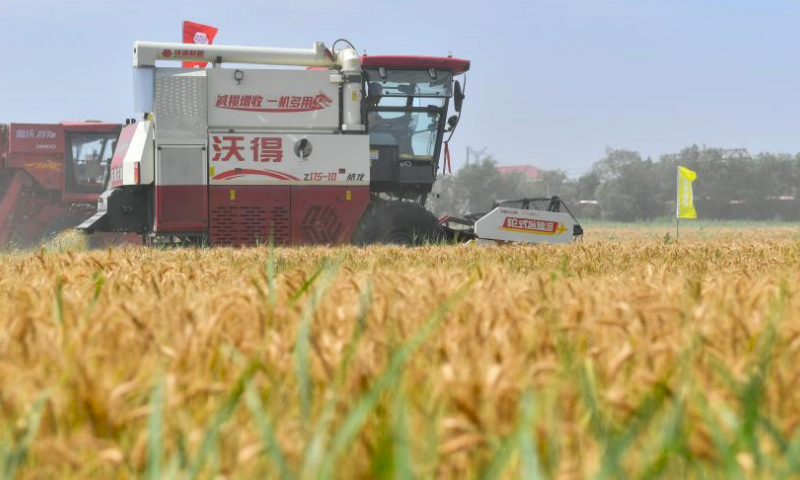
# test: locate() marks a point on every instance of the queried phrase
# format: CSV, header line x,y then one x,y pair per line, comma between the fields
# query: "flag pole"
x,y
678,203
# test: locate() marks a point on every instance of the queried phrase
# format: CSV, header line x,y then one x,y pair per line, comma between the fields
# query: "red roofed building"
x,y
529,170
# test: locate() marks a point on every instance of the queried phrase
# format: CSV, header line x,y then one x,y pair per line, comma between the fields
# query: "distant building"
x,y
529,170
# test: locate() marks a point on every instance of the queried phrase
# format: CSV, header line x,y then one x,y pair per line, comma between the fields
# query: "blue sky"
x,y
553,82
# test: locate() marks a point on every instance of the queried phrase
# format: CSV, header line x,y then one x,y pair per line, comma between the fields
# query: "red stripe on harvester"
x,y
248,171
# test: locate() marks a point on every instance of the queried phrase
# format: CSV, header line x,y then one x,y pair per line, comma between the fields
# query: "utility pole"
x,y
477,153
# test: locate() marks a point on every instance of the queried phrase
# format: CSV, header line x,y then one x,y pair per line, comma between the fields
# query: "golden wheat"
x,y
589,331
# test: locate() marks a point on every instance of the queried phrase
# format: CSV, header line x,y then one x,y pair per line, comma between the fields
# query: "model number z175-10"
x,y
320,177
333,176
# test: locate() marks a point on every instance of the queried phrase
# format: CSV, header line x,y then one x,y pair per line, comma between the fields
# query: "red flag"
x,y
198,34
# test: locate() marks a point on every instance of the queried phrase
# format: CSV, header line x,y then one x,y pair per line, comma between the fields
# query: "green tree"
x,y
627,186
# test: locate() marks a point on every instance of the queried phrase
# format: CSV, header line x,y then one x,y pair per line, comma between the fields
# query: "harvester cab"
x,y
87,160
408,99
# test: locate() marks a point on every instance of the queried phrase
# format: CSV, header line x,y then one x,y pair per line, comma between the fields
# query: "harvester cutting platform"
x,y
345,150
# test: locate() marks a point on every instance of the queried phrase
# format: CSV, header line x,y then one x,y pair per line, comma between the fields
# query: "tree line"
x,y
622,186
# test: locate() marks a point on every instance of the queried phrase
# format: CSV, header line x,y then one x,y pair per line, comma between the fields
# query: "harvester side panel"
x,y
133,162
9,204
39,150
245,215
326,214
35,138
181,193
3,146
277,100
180,105
181,182
237,158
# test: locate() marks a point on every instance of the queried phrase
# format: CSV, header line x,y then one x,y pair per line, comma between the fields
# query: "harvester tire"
x,y
398,223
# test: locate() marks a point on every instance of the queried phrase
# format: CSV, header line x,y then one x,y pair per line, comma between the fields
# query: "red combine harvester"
x,y
51,176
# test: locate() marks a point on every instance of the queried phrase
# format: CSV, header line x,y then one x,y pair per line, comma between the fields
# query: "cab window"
x,y
405,109
90,156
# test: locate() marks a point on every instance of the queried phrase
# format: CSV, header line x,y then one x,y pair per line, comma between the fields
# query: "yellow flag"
x,y
685,195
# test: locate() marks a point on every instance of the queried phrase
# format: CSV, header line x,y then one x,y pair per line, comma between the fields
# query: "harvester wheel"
x,y
398,223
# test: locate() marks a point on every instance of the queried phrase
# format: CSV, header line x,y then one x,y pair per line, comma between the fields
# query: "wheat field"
x,y
626,355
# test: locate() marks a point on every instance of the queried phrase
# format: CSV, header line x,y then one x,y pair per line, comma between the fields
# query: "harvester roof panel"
x,y
91,126
457,65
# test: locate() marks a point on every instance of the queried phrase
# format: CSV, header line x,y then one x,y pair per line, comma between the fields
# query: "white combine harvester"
x,y
345,150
